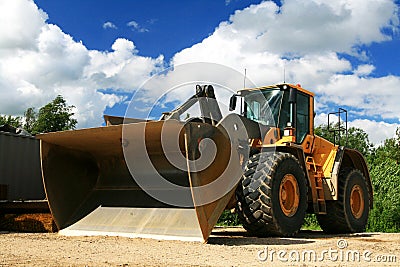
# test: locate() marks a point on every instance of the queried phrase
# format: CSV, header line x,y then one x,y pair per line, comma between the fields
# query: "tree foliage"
x,y
30,119
385,216
389,150
55,116
10,120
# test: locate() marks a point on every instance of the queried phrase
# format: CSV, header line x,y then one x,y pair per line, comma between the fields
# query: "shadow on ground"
x,y
238,236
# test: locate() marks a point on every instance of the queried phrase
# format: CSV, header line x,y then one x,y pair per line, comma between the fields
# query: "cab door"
x,y
302,116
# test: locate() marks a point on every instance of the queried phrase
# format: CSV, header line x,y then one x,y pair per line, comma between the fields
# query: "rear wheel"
x,y
272,195
349,214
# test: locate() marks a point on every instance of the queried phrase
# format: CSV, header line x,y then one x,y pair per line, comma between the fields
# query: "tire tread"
x,y
255,209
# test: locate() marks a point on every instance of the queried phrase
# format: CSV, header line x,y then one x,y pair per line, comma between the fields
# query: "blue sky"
x,y
167,26
98,53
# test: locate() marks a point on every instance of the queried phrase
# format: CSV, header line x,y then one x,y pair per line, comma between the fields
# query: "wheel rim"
x,y
357,201
289,196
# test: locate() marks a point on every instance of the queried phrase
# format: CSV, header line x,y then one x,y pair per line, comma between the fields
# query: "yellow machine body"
x,y
103,181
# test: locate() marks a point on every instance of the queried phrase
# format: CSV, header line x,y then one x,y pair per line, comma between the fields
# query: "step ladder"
x,y
317,190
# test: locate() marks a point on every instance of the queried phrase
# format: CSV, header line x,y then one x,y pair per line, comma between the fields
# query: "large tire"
x,y
272,195
349,214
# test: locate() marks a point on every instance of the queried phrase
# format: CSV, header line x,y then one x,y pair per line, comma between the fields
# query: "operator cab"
x,y
279,106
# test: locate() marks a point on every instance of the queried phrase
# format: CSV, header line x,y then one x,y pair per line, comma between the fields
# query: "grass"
x,y
228,218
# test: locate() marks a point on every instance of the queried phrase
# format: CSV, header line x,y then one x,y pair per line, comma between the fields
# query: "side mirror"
x,y
200,91
232,103
292,95
209,91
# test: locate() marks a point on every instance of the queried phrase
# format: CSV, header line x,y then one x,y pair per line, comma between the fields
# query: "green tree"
x,y
385,174
30,119
385,216
358,139
389,150
55,116
10,120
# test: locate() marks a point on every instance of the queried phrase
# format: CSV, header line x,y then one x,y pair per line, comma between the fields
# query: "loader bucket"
x,y
99,181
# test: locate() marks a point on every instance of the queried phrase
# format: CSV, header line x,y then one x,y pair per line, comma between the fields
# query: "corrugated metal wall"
x,y
20,167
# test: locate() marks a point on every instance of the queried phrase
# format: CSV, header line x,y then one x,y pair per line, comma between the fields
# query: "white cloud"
x,y
364,70
121,69
20,24
136,27
38,61
370,96
377,130
306,38
109,25
300,27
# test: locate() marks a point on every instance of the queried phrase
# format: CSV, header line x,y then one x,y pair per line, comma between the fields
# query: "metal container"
x,y
20,171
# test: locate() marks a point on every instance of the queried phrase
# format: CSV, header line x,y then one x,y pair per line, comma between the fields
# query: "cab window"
x,y
302,117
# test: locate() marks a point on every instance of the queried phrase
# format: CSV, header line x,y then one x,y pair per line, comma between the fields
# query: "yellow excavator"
x,y
173,178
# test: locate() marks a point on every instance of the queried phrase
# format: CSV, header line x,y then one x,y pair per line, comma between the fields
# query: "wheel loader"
x,y
173,178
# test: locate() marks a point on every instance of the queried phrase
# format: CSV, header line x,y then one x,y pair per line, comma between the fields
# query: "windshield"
x,y
263,106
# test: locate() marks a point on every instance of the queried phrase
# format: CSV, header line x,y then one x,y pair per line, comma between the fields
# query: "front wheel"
x,y
272,195
348,214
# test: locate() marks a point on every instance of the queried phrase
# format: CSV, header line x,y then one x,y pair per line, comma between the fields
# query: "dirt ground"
x,y
226,247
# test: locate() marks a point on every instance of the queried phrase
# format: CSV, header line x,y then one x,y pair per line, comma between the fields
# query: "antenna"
x,y
284,73
244,81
